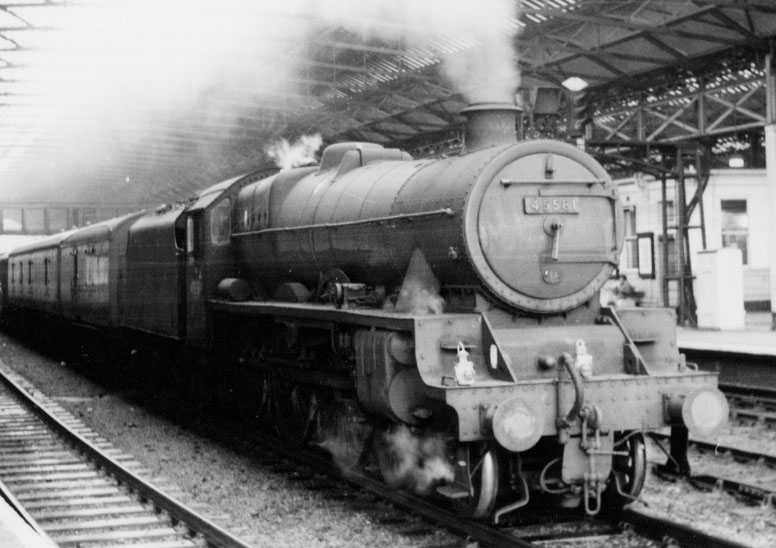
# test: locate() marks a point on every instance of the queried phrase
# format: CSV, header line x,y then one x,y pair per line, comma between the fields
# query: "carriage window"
x,y
29,272
220,222
13,272
45,271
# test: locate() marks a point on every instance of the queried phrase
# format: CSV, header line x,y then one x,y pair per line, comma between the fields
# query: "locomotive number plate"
x,y
537,205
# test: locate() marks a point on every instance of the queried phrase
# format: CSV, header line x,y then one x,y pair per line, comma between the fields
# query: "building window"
x,y
29,272
45,271
631,251
13,220
88,216
735,226
671,267
13,272
57,219
34,221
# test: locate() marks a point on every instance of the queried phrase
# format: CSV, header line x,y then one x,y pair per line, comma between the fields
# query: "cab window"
x,y
220,222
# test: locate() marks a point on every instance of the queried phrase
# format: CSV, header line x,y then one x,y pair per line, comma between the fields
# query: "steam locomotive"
x,y
435,319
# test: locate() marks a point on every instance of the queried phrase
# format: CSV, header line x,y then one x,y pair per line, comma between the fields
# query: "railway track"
x,y
751,404
530,528
749,381
753,493
751,395
80,490
736,368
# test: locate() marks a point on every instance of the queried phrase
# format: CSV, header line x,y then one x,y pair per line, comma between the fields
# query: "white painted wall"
x,y
724,184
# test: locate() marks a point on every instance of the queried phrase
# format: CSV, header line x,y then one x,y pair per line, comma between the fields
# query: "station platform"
x,y
15,532
756,340
744,359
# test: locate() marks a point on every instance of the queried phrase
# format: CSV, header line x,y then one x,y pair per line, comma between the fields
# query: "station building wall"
x,y
736,209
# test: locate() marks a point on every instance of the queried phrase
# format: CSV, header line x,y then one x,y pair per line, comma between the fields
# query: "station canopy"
x,y
142,101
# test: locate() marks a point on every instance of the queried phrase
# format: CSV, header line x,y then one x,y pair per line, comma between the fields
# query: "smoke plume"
x,y
474,40
196,77
418,463
301,152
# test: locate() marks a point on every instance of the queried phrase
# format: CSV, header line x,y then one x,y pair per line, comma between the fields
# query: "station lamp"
x,y
580,111
574,84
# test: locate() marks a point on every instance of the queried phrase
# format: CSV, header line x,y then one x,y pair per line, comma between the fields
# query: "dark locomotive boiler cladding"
x,y
440,315
366,211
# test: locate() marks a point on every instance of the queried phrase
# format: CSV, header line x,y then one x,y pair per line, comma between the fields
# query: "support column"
x,y
680,208
770,171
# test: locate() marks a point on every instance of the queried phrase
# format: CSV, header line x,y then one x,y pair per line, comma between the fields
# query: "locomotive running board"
x,y
474,330
325,314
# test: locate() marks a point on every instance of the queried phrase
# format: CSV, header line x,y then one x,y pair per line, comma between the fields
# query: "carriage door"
x,y
194,279
209,263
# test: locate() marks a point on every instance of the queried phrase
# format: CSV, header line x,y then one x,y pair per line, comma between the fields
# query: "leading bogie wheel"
x,y
483,471
629,470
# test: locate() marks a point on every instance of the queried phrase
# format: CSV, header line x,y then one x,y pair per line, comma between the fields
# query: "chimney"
x,y
490,124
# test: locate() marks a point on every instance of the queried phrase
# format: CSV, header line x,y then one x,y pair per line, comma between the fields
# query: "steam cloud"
x,y
416,297
419,463
419,292
287,155
483,69
120,72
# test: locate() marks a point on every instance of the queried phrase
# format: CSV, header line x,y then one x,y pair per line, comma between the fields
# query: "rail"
x,y
212,533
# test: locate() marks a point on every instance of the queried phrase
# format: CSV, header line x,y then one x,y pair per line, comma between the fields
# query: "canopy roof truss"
x,y
351,87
